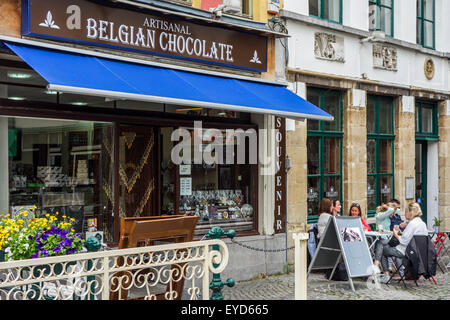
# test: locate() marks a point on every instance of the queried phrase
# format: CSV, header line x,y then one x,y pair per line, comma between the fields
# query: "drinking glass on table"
x,y
396,227
380,228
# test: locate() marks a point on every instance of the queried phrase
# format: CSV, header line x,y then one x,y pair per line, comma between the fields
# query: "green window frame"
x,y
328,137
426,17
382,13
322,8
426,112
380,133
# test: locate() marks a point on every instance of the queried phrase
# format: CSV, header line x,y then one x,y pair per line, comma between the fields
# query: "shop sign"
x,y
92,23
280,176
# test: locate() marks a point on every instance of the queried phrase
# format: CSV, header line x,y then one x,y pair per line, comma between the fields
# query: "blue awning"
x,y
90,75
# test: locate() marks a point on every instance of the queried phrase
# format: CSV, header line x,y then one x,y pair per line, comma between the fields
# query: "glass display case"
x,y
220,194
59,166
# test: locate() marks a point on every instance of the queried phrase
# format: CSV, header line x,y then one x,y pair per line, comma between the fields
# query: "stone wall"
x,y
298,181
404,147
10,17
354,150
444,164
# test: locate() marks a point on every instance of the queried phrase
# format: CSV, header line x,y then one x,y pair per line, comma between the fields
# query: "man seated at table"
x,y
396,219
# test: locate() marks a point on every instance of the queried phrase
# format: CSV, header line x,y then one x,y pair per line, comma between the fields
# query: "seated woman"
x,y
415,227
355,210
383,217
325,213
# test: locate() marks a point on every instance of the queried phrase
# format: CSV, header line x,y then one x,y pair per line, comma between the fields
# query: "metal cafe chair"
x,y
399,269
422,245
441,248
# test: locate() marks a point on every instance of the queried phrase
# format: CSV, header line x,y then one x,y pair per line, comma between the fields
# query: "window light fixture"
x,y
19,75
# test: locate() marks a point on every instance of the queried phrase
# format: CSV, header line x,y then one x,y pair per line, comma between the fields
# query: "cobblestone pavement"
x,y
281,287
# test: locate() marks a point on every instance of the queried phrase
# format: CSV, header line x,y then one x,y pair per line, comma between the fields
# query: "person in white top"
x,y
416,226
325,213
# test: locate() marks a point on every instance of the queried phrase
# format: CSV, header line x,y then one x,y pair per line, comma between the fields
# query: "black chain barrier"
x,y
260,249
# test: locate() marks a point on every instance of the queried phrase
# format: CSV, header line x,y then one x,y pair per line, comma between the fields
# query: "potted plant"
x,y
437,224
50,235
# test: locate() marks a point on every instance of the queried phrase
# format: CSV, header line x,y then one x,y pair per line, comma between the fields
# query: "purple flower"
x,y
67,242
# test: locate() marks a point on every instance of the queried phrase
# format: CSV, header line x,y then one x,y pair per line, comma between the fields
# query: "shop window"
x,y
380,151
218,186
205,112
20,84
324,147
326,9
12,74
426,115
62,166
426,23
381,17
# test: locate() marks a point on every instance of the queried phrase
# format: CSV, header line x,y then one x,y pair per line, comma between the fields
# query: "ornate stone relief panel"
x,y
384,57
428,68
329,46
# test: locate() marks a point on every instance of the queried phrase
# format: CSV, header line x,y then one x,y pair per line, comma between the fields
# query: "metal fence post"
x,y
217,284
92,244
301,280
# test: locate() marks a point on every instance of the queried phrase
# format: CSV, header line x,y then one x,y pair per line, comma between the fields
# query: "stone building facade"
x,y
374,68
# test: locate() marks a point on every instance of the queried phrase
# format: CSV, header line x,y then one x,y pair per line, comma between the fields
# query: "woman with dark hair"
x,y
355,210
336,207
325,213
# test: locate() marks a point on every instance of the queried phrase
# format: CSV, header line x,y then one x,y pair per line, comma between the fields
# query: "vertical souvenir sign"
x,y
280,175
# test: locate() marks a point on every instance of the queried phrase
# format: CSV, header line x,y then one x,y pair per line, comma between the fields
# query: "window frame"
x,y
322,134
380,5
421,19
378,137
419,106
322,11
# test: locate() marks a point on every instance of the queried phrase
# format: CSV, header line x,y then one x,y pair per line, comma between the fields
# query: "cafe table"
x,y
374,236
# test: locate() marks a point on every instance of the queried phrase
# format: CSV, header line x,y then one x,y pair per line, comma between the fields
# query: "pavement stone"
x,y
281,287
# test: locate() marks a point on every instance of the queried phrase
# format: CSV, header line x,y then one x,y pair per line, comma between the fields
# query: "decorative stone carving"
x,y
384,57
429,68
329,46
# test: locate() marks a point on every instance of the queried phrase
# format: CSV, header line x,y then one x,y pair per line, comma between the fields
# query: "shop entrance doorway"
x,y
421,176
137,171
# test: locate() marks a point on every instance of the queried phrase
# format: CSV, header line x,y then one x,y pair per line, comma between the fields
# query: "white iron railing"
x,y
117,274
